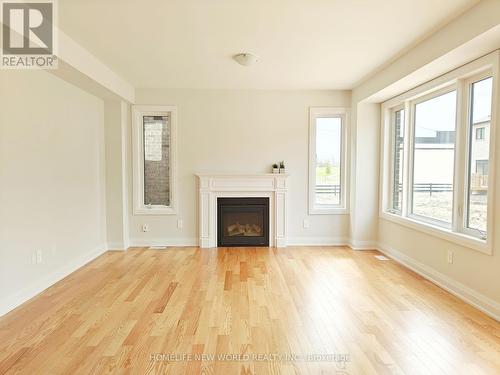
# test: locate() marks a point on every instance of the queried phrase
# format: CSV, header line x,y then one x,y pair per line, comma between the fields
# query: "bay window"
x,y
438,143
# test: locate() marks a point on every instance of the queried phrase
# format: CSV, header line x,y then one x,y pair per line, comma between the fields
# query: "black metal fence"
x,y
432,188
328,189
418,188
429,188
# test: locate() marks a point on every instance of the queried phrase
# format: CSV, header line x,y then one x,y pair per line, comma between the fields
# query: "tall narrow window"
x,y
154,136
433,158
156,140
397,158
327,160
328,155
478,155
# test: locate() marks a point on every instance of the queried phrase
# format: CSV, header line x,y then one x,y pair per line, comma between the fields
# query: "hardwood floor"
x,y
356,314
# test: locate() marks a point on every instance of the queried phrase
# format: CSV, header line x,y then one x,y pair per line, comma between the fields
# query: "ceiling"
x,y
301,44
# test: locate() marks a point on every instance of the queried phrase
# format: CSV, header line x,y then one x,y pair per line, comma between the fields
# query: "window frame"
x,y
483,133
392,150
138,112
411,162
464,209
484,162
461,78
343,207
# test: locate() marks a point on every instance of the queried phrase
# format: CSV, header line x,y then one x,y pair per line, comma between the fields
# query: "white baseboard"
x,y
11,302
291,241
117,246
317,241
466,294
138,242
332,241
363,245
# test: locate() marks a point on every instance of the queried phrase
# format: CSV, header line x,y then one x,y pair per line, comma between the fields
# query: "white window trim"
x,y
410,164
462,208
343,207
139,208
392,119
461,77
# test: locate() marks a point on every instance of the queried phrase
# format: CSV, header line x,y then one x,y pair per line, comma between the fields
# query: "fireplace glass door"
x,y
243,222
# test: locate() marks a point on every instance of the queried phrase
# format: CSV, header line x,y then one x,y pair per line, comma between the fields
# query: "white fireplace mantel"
x,y
272,186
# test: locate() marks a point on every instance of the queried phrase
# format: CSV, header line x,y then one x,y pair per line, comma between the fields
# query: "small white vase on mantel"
x,y
282,169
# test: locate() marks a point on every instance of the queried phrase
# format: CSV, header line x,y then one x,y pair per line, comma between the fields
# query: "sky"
x,y
439,113
328,135
482,100
436,114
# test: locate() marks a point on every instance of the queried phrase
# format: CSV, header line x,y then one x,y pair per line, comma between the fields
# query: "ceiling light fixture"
x,y
245,59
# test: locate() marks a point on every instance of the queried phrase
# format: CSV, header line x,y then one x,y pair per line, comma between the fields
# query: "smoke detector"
x,y
245,59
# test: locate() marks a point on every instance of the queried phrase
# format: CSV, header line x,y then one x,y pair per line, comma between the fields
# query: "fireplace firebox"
x,y
242,222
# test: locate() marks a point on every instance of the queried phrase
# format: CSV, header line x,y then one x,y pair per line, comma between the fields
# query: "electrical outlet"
x,y
180,224
450,257
145,227
39,256
306,223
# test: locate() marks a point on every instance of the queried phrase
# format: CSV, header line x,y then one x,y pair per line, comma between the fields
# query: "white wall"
x,y
240,132
364,175
116,122
473,275
51,181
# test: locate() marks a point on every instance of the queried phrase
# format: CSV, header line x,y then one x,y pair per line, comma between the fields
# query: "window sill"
x,y
442,233
155,211
328,211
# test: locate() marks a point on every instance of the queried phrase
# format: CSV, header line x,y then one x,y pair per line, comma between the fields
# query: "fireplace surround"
x,y
274,187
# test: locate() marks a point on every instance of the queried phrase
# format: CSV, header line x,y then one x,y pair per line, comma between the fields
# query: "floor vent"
x,y
381,257
157,247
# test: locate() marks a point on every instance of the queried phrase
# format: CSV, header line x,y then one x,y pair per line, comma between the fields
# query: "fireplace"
x,y
272,186
242,222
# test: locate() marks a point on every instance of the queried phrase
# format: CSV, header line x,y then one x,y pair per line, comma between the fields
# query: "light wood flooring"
x,y
299,310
